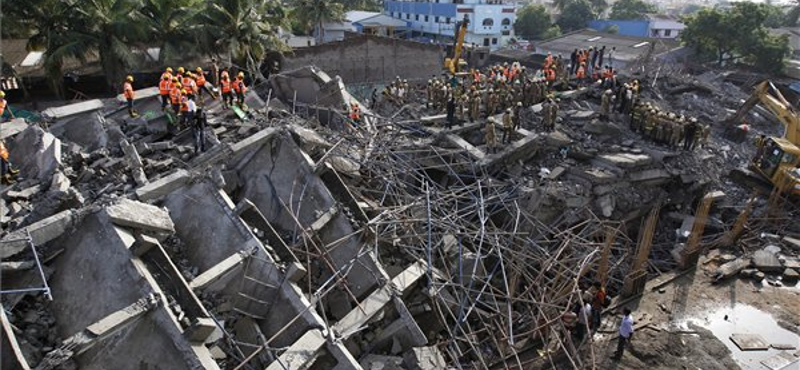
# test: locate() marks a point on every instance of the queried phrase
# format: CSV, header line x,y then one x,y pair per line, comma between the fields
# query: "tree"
x,y
775,16
576,15
170,24
631,9
244,29
533,22
736,34
313,13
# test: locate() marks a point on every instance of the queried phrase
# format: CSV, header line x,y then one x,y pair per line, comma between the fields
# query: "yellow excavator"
x,y
778,158
456,64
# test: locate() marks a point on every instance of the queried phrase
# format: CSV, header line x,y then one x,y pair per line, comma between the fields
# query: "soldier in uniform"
x,y
508,126
650,123
517,116
476,107
490,136
605,104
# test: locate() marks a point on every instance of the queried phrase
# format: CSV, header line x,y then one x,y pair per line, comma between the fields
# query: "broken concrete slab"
x,y
24,194
580,114
254,140
731,268
60,182
163,186
36,153
87,130
300,355
749,342
766,262
653,176
41,232
61,112
424,358
141,216
13,127
623,160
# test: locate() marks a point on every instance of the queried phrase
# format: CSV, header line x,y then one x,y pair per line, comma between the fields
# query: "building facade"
x,y
651,27
491,22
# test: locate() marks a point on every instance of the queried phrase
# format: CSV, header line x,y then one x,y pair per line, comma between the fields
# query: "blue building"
x,y
651,27
491,22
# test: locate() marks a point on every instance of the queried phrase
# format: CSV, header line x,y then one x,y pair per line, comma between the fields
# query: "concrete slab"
x,y
36,153
12,356
163,186
625,160
780,361
41,232
300,355
765,261
749,342
519,150
424,358
73,109
13,127
653,175
212,274
254,141
140,94
463,144
87,130
140,216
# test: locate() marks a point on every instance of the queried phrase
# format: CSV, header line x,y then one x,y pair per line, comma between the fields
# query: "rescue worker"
x,y
188,84
677,132
9,173
198,130
226,86
491,103
4,105
580,75
490,136
508,126
127,91
175,95
650,123
704,135
451,112
188,109
605,104
517,116
167,73
355,114
164,86
202,85
476,108
689,134
240,88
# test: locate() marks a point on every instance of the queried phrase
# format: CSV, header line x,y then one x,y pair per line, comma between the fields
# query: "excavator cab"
x,y
779,161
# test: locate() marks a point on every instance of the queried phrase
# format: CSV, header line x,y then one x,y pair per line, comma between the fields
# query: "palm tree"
x,y
246,29
170,24
313,13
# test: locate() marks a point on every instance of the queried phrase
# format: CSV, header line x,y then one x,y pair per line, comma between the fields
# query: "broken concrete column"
x,y
201,329
41,232
140,216
163,186
424,358
36,153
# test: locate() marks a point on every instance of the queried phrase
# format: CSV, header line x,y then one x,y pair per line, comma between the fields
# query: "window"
x,y
667,33
486,42
494,41
655,33
408,15
436,19
426,18
447,20
506,22
506,33
488,22
416,17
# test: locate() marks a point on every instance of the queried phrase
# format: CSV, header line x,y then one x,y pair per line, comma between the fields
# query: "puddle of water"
x,y
745,319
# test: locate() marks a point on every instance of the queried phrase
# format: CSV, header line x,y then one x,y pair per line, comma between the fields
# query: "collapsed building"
x,y
299,242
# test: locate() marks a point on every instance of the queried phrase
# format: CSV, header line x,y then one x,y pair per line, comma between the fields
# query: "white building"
x,y
491,22
665,28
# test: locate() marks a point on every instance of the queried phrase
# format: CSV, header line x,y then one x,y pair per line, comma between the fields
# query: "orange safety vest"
x,y
127,90
607,74
187,83
3,152
226,85
550,75
2,106
239,86
175,95
184,104
169,75
224,74
201,80
581,73
354,113
164,86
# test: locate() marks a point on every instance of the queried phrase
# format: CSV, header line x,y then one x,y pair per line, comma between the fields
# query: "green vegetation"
x,y
534,23
631,9
313,13
576,14
738,34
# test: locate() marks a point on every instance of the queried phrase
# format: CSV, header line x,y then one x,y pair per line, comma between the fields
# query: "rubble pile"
x,y
299,241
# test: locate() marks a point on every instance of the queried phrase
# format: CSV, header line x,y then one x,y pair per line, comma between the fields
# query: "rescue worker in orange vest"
x,y
3,106
8,172
226,85
188,83
224,73
202,85
127,91
164,87
548,61
180,74
580,75
550,76
175,96
188,108
167,73
355,114
240,88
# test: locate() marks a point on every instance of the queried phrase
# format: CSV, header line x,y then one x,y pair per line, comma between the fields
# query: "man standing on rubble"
x,y
4,105
508,126
625,333
517,116
491,136
198,131
605,104
690,134
240,88
175,95
127,91
163,90
8,172
598,302
451,111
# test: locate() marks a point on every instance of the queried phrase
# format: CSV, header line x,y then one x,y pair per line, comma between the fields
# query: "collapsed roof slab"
x,y
279,179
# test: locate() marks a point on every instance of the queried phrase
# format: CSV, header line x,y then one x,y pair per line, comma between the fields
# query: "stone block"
x,y
254,140
653,175
36,153
424,358
142,216
765,261
201,329
134,160
24,194
41,232
143,244
73,109
163,186
87,130
60,182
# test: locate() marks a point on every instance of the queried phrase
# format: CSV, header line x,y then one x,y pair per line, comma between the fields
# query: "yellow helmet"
x,y
165,78
169,69
199,70
181,70
129,78
175,79
183,91
2,94
178,85
241,74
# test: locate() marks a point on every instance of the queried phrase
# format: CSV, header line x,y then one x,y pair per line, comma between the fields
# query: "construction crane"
x,y
455,64
778,158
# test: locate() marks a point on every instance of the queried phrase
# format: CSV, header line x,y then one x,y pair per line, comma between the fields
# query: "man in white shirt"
x,y
625,333
583,320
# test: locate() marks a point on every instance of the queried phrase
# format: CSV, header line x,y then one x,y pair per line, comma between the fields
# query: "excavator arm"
x,y
771,98
461,32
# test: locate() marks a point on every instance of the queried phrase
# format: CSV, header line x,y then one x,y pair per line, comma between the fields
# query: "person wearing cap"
x,y
202,85
163,90
9,173
226,87
690,134
508,126
451,111
240,88
517,116
4,106
127,91
490,136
